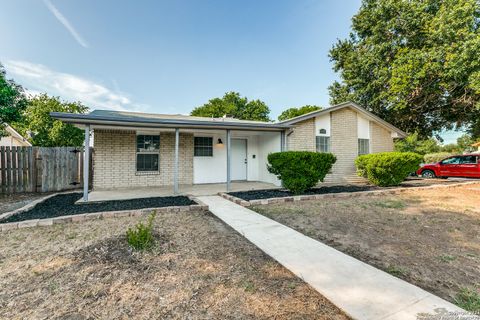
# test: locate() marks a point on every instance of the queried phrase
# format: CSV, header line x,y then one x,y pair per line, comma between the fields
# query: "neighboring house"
x,y
139,149
13,139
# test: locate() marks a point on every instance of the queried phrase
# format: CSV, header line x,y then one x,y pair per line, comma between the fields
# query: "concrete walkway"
x,y
360,290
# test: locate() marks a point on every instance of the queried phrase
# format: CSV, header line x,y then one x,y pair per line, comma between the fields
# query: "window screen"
x,y
323,144
363,146
148,147
203,147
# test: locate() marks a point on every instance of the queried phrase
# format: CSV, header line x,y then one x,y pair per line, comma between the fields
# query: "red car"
x,y
467,166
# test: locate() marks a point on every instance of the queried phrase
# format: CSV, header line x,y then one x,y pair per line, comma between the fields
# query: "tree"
x,y
12,100
46,131
232,104
413,63
295,112
412,143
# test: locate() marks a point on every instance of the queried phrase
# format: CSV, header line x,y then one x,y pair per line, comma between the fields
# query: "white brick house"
x,y
151,150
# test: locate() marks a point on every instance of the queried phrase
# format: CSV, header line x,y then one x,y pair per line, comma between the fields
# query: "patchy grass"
x,y
429,237
397,271
468,299
198,269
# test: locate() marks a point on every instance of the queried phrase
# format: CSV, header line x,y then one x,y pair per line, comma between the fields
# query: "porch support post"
x,y
86,163
175,170
282,141
229,159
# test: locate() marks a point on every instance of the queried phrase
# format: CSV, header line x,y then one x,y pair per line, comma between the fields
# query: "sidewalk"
x,y
360,290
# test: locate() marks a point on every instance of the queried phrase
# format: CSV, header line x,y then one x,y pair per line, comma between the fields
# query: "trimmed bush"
x,y
300,170
141,237
436,157
387,168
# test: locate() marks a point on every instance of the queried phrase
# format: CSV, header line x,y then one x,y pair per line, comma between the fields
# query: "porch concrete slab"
x,y
359,289
165,191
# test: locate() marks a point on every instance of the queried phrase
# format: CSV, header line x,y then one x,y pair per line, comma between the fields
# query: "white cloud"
x,y
66,23
39,78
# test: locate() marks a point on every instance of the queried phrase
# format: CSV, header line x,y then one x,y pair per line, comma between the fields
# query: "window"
x,y
148,148
468,160
323,144
363,146
203,147
322,131
452,160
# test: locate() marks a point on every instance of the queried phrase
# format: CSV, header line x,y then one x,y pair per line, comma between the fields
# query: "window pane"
x,y
323,144
148,143
203,147
363,146
147,162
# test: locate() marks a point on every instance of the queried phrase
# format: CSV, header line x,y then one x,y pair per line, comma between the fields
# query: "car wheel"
x,y
428,174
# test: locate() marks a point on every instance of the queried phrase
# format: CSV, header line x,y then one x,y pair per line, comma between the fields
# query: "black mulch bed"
x,y
64,205
279,193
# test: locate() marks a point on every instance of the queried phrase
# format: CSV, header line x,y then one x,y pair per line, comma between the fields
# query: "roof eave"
x,y
309,115
83,119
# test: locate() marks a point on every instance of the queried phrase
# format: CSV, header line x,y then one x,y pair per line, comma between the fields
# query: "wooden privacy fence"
x,y
40,169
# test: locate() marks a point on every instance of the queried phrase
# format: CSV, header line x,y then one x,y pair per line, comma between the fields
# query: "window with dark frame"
x,y
323,144
148,149
363,146
203,147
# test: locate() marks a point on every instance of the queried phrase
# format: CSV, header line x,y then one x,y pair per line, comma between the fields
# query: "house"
x,y
151,150
13,138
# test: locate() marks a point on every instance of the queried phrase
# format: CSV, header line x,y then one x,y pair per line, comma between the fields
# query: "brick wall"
x,y
380,139
302,138
344,145
114,160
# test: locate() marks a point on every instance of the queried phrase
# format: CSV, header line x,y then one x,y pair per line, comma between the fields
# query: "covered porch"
x,y
165,191
149,155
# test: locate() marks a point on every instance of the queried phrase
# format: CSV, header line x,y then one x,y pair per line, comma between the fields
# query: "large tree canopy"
x,y
12,99
295,112
414,63
232,104
46,131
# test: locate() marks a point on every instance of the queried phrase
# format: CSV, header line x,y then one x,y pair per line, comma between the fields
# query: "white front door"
x,y
239,159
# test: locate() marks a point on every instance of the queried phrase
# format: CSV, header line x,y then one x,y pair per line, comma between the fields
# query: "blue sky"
x,y
171,56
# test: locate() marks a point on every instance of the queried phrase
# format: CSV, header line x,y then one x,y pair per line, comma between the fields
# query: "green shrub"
x,y
436,157
387,168
141,236
300,170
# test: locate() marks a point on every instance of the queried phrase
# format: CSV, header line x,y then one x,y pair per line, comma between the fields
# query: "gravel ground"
x,y
430,237
199,268
64,205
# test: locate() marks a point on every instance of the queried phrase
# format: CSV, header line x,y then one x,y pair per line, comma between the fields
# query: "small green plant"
x,y
391,204
396,271
141,236
249,286
387,168
300,170
468,299
447,258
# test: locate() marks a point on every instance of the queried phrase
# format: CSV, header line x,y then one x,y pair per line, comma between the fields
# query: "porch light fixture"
x,y
219,141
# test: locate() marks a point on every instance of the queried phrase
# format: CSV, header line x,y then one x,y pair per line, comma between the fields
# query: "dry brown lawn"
x,y
430,238
198,269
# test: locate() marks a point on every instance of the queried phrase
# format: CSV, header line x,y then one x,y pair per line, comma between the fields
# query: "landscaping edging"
x,y
90,216
246,203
